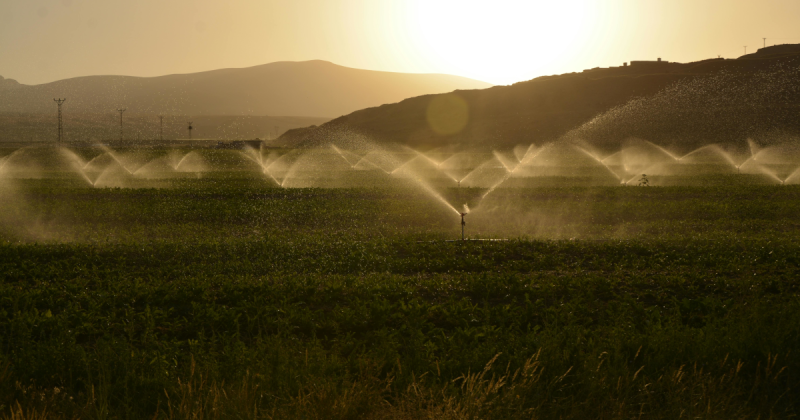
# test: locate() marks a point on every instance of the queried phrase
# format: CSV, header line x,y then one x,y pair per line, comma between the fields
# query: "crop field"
x,y
204,287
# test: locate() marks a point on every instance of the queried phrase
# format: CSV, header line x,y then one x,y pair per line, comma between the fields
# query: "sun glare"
x,y
499,41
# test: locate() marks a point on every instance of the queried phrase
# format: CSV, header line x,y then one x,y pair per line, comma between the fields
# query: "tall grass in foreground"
x,y
491,393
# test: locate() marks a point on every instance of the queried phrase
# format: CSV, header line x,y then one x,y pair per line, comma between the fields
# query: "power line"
x,y
60,101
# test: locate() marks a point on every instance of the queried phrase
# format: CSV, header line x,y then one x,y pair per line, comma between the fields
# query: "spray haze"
x,y
456,180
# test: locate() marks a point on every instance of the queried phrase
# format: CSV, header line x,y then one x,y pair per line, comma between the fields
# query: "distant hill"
x,y
682,105
301,89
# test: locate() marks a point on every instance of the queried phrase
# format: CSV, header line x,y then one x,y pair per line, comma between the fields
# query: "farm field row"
x,y
226,297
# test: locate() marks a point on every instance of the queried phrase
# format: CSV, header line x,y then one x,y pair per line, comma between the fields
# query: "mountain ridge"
x,y
314,88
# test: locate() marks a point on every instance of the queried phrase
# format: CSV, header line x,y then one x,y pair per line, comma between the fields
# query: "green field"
x,y
224,296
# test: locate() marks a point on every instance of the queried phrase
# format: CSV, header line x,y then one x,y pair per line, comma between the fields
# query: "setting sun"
x,y
501,41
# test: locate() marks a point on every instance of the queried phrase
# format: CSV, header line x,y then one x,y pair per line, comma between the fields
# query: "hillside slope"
x,y
679,104
303,89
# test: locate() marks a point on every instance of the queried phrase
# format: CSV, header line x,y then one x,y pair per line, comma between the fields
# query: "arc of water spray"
x,y
7,158
446,173
403,165
425,186
770,173
180,162
753,148
714,148
531,146
339,151
525,159
619,178
89,162
643,171
392,161
429,189
502,160
101,176
419,156
77,163
636,176
665,151
3,161
289,172
788,179
467,175
268,173
753,160
114,156
611,156
424,156
482,166
369,162
257,159
532,153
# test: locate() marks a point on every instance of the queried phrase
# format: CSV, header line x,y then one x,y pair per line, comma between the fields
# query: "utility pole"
x,y
60,101
745,50
161,128
190,130
765,42
121,110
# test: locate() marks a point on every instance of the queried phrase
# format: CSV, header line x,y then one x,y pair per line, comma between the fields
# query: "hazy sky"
x,y
498,41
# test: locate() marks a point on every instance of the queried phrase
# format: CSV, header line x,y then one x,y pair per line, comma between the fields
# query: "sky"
x,y
497,41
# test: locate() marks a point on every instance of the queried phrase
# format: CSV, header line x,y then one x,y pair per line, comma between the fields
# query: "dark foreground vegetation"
x,y
222,299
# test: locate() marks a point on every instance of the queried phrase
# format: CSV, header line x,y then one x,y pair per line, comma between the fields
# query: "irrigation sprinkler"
x,y
463,223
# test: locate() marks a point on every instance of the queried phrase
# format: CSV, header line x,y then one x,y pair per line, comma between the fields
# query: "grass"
x,y
226,298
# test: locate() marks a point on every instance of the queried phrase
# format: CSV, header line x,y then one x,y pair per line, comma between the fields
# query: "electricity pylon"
x,y
60,101
121,110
